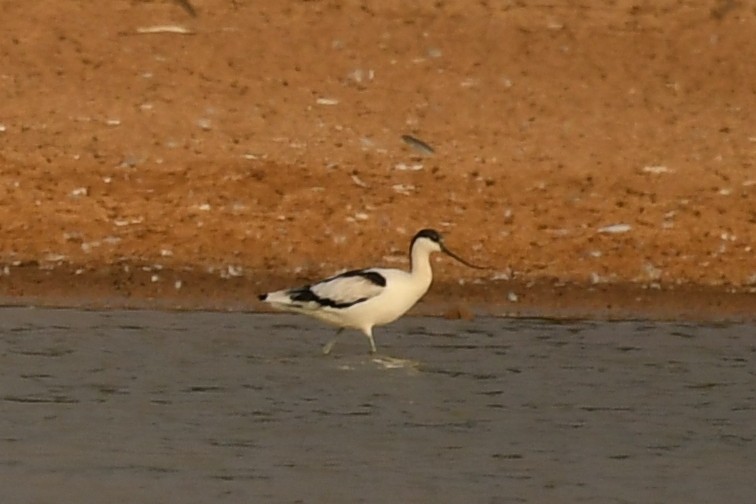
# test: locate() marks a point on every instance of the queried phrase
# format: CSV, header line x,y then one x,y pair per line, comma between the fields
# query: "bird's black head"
x,y
435,237
430,234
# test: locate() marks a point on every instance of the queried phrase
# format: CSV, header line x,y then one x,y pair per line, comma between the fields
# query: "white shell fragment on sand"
x,y
181,30
359,182
615,229
408,167
204,123
327,101
231,271
405,189
656,169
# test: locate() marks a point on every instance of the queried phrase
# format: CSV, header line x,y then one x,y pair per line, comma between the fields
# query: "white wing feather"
x,y
346,289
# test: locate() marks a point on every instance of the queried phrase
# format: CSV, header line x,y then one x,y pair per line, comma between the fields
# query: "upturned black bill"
x,y
455,256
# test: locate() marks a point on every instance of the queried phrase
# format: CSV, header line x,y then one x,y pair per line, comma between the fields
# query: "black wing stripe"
x,y
372,276
305,295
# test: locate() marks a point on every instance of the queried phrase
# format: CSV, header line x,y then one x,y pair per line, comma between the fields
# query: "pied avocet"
x,y
362,299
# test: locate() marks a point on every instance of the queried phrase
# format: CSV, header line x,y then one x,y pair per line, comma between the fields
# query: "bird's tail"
x,y
278,299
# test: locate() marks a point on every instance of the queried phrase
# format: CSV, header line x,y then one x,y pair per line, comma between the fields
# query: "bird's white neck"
x,y
420,266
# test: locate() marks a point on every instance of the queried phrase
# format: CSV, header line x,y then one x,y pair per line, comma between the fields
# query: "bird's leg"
x,y
329,346
372,343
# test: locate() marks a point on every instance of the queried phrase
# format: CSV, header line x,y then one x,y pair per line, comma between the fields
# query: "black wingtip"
x,y
262,297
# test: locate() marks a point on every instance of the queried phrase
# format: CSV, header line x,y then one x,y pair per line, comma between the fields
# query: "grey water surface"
x,y
144,406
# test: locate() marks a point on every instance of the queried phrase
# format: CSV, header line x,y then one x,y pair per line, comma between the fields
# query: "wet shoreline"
x,y
190,289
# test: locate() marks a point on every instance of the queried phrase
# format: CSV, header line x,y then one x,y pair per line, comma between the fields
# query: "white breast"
x,y
401,293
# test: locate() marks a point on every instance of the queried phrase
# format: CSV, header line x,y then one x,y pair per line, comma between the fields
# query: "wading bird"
x,y
362,299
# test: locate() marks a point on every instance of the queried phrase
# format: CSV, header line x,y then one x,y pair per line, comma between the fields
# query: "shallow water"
x,y
138,406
